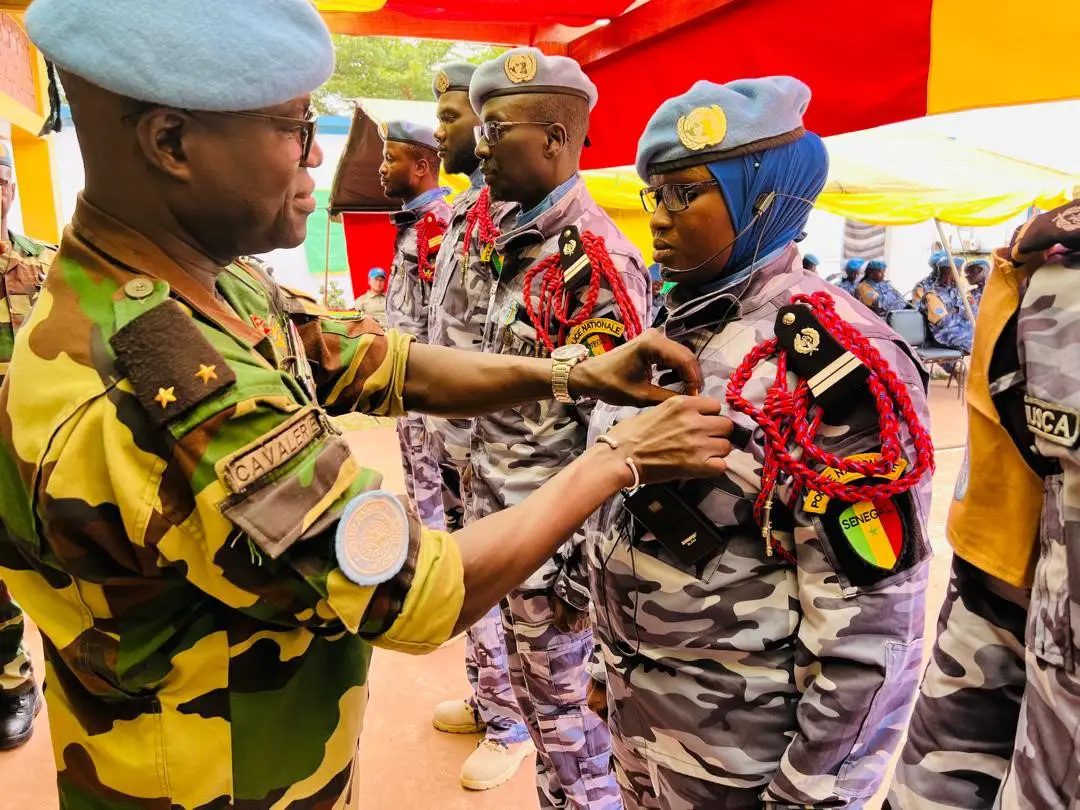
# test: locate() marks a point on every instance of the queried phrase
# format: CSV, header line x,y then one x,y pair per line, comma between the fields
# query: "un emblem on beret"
x,y
1069,219
521,67
384,131
442,82
372,538
702,127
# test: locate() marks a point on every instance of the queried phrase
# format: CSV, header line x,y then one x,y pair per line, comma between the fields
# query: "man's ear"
x,y
161,133
556,140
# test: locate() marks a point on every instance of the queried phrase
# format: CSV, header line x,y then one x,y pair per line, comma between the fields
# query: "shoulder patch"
x,y
871,541
268,453
1055,423
171,365
372,540
599,335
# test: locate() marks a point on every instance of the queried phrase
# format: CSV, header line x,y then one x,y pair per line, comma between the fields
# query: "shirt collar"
x,y
476,179
425,199
137,254
549,202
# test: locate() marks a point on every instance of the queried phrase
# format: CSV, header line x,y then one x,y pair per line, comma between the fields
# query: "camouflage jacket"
x,y
169,501
408,295
23,265
514,452
741,670
459,302
1043,769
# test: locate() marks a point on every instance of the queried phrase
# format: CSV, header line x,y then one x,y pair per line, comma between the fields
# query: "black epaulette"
x,y
170,363
577,269
836,377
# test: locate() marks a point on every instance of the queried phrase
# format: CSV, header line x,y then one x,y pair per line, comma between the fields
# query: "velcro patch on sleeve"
x,y
1055,423
271,452
171,364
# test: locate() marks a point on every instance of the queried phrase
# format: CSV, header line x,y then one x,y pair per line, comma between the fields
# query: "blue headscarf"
x,y
796,171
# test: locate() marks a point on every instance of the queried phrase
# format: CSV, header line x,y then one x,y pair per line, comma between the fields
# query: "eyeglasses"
x,y
490,130
306,126
675,196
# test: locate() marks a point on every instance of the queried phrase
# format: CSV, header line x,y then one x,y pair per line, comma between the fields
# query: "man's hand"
x,y
683,438
624,376
596,697
567,618
1058,227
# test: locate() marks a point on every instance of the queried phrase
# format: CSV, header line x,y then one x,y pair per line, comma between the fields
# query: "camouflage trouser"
x,y
549,672
964,726
1045,767
493,696
650,785
15,672
423,481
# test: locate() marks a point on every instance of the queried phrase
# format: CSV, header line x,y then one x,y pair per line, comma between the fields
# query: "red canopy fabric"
x,y
533,12
865,66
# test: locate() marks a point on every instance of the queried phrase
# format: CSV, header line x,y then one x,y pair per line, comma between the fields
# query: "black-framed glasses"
x,y
306,126
675,196
491,130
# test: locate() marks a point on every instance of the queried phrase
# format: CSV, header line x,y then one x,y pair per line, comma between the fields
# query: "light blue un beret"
x,y
454,77
715,121
530,70
6,158
877,264
217,55
854,265
408,132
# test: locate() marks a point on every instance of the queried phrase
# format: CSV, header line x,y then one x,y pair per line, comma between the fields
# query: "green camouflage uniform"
x,y
23,264
169,502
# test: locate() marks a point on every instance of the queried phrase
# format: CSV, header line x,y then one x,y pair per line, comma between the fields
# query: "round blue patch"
x,y
372,540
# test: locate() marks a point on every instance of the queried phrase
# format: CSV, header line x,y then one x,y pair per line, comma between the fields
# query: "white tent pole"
x,y
954,271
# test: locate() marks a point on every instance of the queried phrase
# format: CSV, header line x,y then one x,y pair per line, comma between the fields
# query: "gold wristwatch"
x,y
563,360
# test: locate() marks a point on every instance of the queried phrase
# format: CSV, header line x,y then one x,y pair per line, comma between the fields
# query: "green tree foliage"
x,y
381,67
336,298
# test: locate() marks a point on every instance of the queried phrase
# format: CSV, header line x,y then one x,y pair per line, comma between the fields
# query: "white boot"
x,y
493,764
457,717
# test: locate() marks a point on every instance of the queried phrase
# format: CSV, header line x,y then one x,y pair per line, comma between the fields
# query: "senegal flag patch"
x,y
875,531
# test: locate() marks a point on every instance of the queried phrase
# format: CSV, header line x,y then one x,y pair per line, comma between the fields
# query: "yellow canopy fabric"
x,y
901,178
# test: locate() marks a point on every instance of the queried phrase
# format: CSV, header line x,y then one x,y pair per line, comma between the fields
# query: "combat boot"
x,y
17,712
494,763
458,717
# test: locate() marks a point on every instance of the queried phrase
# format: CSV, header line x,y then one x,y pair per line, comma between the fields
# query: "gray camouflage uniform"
x,y
458,311
1045,767
407,302
741,681
515,452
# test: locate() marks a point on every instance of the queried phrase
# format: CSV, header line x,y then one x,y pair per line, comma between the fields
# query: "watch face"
x,y
571,352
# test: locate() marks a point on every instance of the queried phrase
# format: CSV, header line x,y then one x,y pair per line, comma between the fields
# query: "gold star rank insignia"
x,y
206,373
165,397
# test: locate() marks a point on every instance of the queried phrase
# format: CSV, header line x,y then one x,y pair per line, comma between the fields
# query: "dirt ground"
x,y
405,763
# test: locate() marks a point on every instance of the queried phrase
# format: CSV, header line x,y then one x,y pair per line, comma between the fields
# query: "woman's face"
x,y
697,240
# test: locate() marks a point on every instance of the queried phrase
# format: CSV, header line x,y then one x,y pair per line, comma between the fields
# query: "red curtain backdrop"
x,y
369,239
532,12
